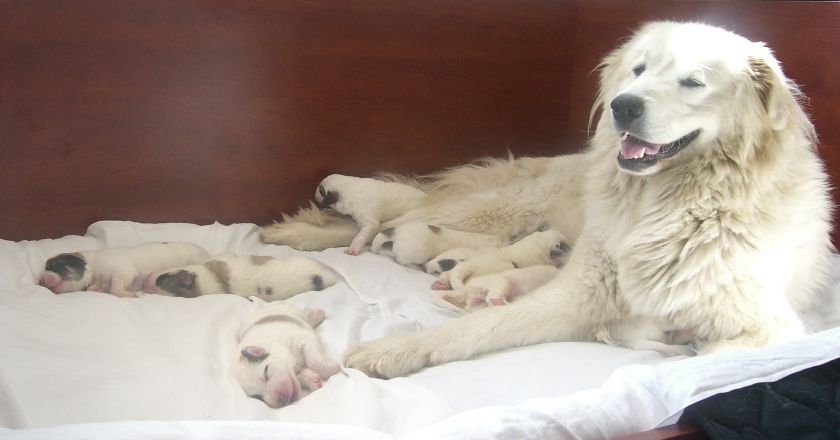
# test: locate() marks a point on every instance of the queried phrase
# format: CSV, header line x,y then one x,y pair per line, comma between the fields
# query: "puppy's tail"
x,y
311,229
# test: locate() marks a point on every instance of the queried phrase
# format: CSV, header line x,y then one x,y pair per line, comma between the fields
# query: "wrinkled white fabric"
x,y
89,365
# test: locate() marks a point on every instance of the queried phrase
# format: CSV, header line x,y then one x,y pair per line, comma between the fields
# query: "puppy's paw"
x,y
389,357
440,285
476,298
353,250
310,379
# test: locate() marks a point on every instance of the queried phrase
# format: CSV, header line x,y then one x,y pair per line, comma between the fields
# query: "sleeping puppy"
x,y
539,248
369,201
447,260
267,278
119,271
280,358
414,243
495,289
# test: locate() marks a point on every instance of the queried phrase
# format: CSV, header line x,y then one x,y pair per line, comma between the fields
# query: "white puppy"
x,y
539,248
369,201
279,357
415,243
495,289
119,271
265,277
448,260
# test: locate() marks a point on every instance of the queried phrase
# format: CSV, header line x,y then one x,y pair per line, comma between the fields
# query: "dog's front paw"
x,y
389,357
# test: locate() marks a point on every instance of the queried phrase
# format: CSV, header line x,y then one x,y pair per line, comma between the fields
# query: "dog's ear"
x,y
778,97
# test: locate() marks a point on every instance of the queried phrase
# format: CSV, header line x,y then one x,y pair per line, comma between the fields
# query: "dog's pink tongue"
x,y
633,148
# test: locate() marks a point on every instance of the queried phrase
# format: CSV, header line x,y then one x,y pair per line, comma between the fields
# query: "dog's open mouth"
x,y
637,154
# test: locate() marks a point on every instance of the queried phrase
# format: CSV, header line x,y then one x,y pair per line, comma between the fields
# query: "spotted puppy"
x,y
539,248
265,277
280,358
370,202
119,271
448,260
414,243
495,289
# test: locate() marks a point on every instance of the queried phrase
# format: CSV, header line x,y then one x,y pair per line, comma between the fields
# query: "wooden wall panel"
x,y
232,110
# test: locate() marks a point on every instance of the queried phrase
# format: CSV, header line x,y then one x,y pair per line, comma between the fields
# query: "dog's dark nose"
x,y
627,108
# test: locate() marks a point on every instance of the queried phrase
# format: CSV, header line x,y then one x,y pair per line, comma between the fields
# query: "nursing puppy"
x,y
539,248
706,213
267,278
370,202
447,260
279,356
119,271
495,289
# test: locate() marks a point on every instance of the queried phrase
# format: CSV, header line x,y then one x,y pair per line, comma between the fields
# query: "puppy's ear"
x,y
254,354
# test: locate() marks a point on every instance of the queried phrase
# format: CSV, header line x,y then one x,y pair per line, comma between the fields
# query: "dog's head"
x,y
677,91
269,373
66,273
179,282
327,193
269,358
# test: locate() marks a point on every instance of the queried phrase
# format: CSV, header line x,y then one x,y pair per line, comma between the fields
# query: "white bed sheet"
x,y
90,365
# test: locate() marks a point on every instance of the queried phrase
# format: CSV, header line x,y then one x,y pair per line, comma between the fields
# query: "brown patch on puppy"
x,y
259,260
180,283
221,271
435,229
67,266
317,282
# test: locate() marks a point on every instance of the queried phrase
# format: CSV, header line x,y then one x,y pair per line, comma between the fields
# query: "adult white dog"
x,y
700,212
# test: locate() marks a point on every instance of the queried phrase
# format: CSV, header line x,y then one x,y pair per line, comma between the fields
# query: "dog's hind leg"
x,y
311,229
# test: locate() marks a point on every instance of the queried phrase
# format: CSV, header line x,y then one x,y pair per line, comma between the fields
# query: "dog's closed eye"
x,y
691,83
265,373
638,70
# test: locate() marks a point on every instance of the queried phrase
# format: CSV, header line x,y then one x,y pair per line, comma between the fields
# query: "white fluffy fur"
x,y
370,202
287,360
267,278
724,242
122,271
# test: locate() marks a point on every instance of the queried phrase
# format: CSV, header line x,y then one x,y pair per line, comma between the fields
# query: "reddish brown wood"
x,y
231,111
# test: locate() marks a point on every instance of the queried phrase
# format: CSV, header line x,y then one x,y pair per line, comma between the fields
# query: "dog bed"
x,y
90,365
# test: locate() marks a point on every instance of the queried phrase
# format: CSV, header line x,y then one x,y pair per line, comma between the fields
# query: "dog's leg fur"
x,y
311,229
566,309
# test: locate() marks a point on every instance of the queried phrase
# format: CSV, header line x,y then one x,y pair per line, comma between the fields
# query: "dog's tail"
x,y
311,229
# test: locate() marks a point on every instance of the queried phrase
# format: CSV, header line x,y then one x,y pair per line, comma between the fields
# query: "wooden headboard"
x,y
233,110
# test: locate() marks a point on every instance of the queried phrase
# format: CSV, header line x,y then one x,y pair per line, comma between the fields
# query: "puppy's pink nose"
x,y
49,280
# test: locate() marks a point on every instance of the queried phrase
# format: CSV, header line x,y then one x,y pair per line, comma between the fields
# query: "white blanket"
x,y
90,365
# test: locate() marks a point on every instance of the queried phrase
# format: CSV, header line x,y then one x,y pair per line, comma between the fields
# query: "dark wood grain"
x,y
231,111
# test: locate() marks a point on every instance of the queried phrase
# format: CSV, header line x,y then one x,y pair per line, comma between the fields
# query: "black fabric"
x,y
803,405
